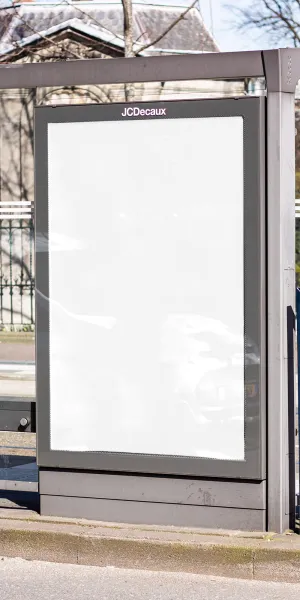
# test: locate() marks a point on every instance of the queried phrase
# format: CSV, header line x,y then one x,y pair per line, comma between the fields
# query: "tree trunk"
x,y
128,43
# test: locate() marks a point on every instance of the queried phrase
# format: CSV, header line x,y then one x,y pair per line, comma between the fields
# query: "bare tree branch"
x,y
167,30
41,35
128,43
278,11
84,14
92,18
128,28
279,19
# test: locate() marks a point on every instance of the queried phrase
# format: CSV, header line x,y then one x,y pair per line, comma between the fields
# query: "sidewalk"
x,y
17,347
17,378
23,533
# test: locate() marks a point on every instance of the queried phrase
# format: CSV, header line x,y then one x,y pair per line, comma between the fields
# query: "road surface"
x,y
23,580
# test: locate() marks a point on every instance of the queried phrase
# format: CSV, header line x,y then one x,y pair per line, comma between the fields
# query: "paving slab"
x,y
20,347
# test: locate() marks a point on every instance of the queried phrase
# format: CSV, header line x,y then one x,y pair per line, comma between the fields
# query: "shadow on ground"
x,y
19,500
8,461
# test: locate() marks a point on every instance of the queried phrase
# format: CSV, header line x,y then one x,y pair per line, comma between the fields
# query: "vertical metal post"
x,y
11,289
298,391
31,271
22,279
281,303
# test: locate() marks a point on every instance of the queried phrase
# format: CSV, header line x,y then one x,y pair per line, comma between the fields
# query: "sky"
x,y
218,16
222,23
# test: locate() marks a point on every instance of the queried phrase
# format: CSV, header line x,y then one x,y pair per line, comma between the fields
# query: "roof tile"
x,y
190,34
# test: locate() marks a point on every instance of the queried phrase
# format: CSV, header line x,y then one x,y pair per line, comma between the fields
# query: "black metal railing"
x,y
17,301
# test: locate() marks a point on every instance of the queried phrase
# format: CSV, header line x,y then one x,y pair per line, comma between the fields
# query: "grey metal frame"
x,y
281,69
125,70
253,112
278,66
281,290
153,500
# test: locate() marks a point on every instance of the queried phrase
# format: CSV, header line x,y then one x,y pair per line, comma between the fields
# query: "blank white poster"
x,y
146,268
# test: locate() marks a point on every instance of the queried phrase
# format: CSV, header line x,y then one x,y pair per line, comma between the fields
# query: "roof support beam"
x,y
228,65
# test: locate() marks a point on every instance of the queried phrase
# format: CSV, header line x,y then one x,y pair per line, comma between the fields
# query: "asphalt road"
x,y
23,580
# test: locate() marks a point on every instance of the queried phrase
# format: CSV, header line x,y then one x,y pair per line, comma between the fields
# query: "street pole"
x,y
281,304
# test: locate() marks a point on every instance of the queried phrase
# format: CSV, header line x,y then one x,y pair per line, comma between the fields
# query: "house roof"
x,y
29,21
102,36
